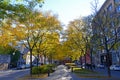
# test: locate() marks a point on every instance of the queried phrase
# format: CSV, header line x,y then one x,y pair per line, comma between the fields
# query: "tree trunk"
x,y
85,60
50,58
108,57
37,59
91,59
108,64
44,59
81,61
30,62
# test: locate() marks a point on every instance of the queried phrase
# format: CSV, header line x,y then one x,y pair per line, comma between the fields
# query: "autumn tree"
x,y
9,14
34,27
61,52
74,39
14,16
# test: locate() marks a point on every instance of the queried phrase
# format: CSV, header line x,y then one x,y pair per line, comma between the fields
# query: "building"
x,y
20,47
106,24
86,58
4,62
25,52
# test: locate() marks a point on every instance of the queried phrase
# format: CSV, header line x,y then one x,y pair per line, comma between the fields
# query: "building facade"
x,y
106,25
4,62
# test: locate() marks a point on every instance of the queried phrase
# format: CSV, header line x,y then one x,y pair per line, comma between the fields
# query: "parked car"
x,y
101,66
21,66
27,66
83,65
114,67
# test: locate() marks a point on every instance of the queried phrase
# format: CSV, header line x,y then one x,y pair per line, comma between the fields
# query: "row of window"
x,y
110,7
118,9
116,1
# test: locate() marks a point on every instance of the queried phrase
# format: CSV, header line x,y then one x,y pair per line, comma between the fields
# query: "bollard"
x,y
71,69
48,73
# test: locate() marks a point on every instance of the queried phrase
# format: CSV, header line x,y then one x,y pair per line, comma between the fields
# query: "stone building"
x,y
109,19
4,62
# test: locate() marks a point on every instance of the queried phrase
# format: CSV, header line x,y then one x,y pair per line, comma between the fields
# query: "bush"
x,y
36,70
43,69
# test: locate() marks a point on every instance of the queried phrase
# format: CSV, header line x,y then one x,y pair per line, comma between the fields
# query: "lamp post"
x,y
12,62
14,52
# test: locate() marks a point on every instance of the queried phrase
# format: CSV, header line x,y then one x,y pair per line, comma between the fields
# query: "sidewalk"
x,y
5,72
61,73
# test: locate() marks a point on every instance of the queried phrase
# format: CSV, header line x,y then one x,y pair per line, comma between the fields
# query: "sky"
x,y
68,10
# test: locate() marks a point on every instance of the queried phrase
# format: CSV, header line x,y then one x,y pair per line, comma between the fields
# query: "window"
x,y
116,1
109,7
118,31
113,31
118,8
112,24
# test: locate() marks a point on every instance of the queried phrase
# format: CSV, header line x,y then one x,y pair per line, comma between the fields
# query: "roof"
x,y
102,7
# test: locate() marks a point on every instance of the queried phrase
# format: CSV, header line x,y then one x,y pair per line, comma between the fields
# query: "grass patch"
x,y
28,77
85,73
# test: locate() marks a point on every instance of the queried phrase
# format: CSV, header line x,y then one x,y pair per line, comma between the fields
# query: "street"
x,y
113,73
13,74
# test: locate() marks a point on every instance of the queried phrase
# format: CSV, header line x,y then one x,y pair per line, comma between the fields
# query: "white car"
x,y
114,67
21,66
27,66
100,66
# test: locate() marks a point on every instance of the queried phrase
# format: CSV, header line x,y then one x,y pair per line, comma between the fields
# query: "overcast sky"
x,y
69,10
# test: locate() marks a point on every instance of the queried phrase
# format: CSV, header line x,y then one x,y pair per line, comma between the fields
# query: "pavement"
x,y
62,73
13,74
5,72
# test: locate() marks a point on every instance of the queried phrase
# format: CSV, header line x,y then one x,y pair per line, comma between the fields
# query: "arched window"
x,y
118,8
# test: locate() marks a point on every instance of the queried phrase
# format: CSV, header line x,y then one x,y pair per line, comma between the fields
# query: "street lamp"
x,y
14,51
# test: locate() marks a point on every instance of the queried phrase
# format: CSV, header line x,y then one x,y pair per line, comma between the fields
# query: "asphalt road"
x,y
13,74
113,73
